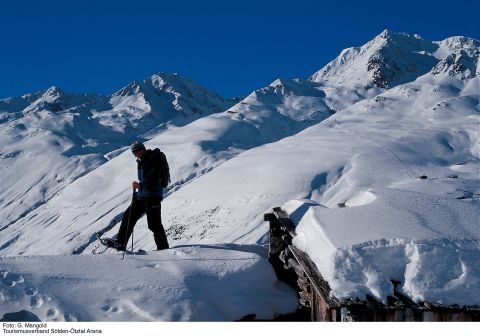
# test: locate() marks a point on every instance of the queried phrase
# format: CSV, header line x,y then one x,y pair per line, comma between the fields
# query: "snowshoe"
x,y
113,243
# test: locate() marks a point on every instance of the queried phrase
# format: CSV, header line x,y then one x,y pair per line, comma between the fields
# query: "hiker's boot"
x,y
118,246
162,247
161,241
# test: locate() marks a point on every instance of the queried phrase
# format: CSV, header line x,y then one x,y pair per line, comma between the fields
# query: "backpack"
x,y
164,170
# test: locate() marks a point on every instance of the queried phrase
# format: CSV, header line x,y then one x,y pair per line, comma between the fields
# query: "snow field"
x,y
188,283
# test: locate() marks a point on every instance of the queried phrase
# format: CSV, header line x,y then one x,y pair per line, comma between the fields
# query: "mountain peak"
x,y
54,99
388,34
167,76
457,44
164,79
388,60
166,97
460,64
159,81
54,89
53,92
459,57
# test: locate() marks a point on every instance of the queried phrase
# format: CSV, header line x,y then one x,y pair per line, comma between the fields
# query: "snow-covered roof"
x,y
430,244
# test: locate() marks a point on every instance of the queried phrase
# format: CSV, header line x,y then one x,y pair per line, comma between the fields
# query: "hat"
x,y
137,146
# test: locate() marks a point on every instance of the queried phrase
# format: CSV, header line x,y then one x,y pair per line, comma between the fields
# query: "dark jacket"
x,y
149,175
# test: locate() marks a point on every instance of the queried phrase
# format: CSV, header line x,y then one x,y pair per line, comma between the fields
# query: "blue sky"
x,y
231,47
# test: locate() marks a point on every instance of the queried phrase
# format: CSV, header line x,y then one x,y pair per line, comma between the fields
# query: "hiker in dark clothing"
x,y
147,199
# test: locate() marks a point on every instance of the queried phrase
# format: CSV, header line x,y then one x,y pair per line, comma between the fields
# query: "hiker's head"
x,y
138,149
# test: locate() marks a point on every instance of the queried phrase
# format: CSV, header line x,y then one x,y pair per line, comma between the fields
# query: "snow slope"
x,y
342,152
267,115
366,158
64,136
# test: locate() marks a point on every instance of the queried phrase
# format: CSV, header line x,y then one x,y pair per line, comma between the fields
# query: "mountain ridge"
x,y
391,59
78,133
76,146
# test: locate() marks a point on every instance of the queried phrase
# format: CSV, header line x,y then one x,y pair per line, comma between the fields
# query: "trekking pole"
x,y
128,224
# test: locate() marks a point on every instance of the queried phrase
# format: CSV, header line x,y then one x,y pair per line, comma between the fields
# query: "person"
x,y
146,200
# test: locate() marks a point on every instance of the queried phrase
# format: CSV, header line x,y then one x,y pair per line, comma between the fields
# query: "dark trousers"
x,y
153,208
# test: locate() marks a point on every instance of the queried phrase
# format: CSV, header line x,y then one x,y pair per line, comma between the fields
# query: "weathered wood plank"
x,y
285,221
316,279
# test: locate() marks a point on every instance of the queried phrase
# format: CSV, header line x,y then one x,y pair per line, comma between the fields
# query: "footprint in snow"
x,y
36,301
69,318
52,313
12,279
176,253
30,291
151,265
110,309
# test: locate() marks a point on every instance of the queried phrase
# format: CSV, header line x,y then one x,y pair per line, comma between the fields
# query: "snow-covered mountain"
x,y
393,58
163,100
345,145
64,135
267,115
